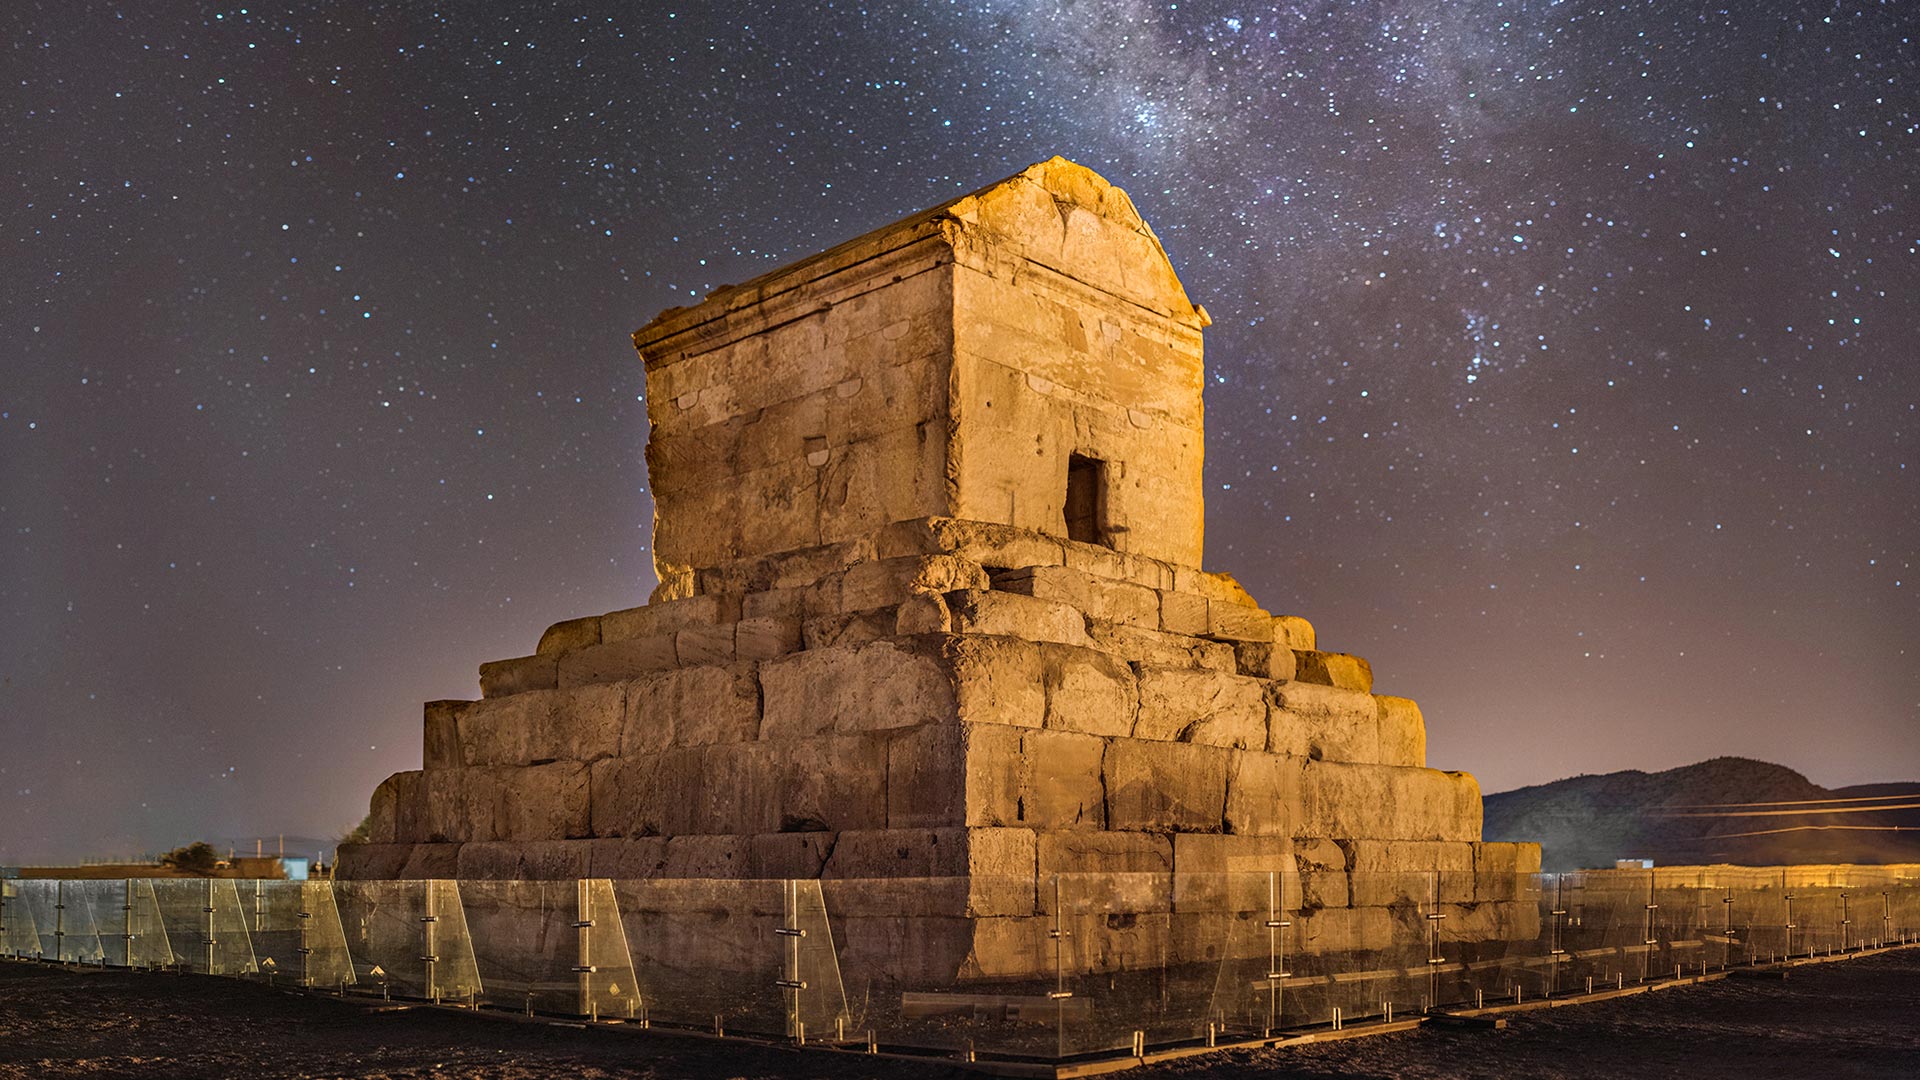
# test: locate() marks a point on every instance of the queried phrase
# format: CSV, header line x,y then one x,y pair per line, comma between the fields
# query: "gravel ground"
x,y
1858,1018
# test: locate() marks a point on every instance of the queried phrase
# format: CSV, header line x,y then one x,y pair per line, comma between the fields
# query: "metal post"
x,y
583,967
428,958
208,936
1886,918
1433,945
126,920
1276,949
60,921
301,918
1557,949
1790,924
1060,993
1845,921
792,982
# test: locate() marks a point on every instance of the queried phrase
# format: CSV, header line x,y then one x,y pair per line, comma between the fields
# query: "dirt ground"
x,y
1858,1018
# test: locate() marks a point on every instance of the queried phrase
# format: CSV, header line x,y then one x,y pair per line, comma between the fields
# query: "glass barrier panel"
x,y
1130,966
408,938
36,899
204,925
952,963
707,951
816,1001
149,946
82,904
608,986
525,943
18,935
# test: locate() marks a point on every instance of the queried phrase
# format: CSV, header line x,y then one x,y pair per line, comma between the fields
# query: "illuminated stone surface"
x,y
928,531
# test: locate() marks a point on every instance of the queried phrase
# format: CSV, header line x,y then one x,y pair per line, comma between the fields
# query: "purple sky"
x,y
1563,360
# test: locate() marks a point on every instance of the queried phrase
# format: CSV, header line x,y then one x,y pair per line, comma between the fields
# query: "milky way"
x,y
1563,359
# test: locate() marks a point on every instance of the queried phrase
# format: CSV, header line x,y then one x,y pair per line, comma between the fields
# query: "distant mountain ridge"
x,y
1726,809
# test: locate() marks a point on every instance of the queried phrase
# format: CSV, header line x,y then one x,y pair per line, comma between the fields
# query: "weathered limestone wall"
x,y
812,419
880,651
963,700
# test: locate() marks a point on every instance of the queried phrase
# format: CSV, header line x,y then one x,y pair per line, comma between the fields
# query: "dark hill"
x,y
1725,810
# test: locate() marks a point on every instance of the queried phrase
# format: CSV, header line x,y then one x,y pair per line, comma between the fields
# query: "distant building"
x,y
1633,864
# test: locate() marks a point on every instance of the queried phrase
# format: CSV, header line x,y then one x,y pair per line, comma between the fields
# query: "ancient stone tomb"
x,y
928,529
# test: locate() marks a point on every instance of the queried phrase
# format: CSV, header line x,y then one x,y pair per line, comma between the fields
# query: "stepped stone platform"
x,y
929,541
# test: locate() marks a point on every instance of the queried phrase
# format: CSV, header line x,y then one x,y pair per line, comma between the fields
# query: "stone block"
x,y
988,544
888,582
518,675
701,645
691,707
1387,803
392,812
627,857
626,797
1263,660
848,628
1263,794
934,872
371,862
1503,871
706,856
616,661
947,775
1403,732
996,680
1319,721
503,731
1098,597
1184,613
430,862
669,617
875,686
1088,691
1388,872
1159,648
725,788
1478,922
788,603
1295,631
540,802
922,613
1324,881
544,860
1213,586
1233,621
830,783
1333,669
1205,707
1010,614
1126,872
440,734
454,805
1220,873
1165,787
1016,947
789,855
766,637
1060,781
1333,930
569,635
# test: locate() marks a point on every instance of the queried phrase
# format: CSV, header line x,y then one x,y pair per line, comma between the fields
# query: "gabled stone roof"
x,y
1030,214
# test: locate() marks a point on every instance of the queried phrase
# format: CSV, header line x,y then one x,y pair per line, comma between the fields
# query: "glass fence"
x,y
1071,966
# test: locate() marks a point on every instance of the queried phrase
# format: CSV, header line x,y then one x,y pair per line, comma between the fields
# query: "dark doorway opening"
x,y
1086,496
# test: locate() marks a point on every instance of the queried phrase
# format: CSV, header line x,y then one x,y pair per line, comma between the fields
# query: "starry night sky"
x,y
1564,355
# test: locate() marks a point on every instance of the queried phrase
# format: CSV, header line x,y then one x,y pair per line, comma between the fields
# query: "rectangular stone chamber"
x,y
928,535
